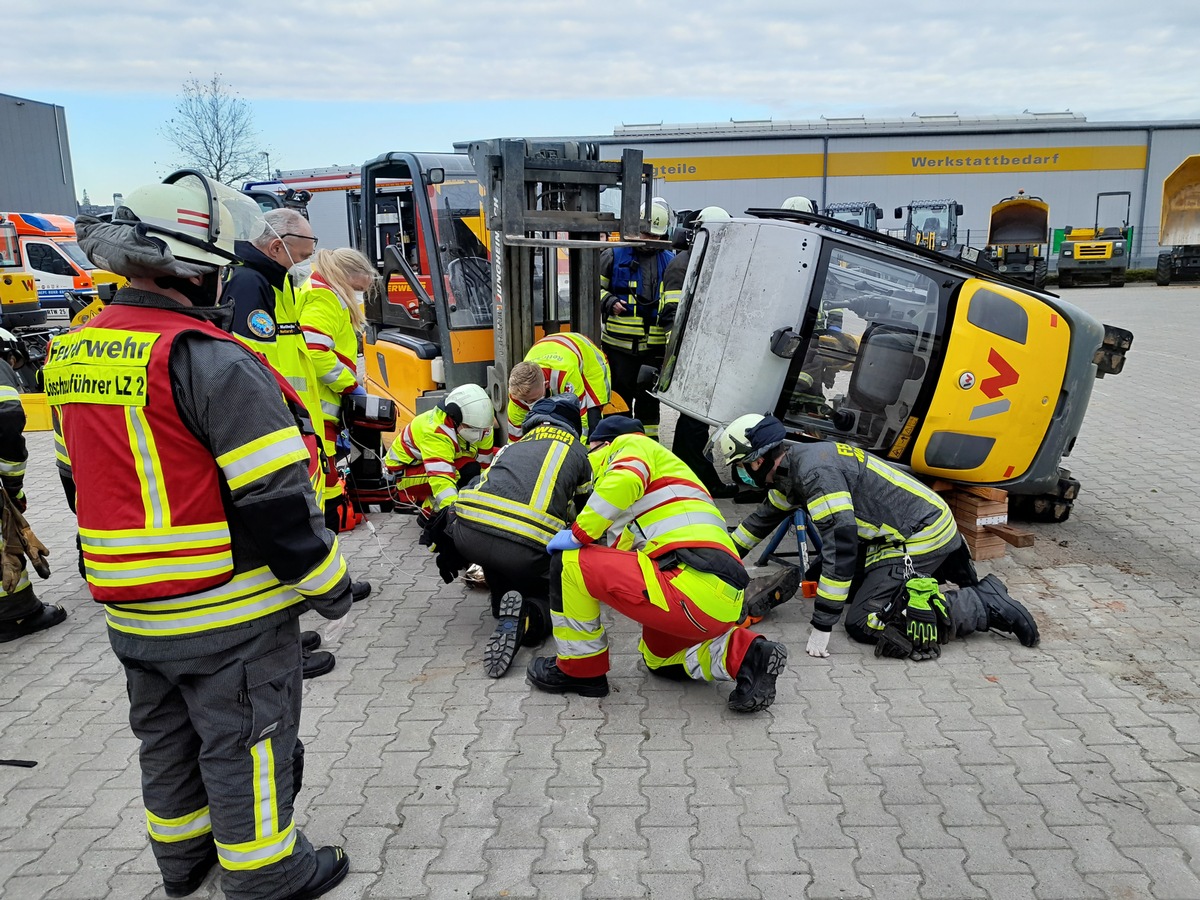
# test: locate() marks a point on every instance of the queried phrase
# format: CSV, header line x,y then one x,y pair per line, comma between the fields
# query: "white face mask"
x,y
301,272
471,435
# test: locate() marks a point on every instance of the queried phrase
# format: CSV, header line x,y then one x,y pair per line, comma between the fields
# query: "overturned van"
x,y
929,362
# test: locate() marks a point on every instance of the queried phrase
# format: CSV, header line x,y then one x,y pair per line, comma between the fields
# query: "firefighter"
x,y
529,493
559,364
262,291
332,321
799,204
632,332
201,535
651,544
691,435
443,448
21,612
878,527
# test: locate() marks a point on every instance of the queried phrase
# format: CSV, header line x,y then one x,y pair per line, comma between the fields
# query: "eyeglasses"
x,y
307,237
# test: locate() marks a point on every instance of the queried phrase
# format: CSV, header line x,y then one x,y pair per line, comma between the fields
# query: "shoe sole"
x,y
764,692
780,588
1002,595
501,647
581,691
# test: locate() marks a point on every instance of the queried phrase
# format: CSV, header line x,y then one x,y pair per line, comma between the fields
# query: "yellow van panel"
x,y
994,387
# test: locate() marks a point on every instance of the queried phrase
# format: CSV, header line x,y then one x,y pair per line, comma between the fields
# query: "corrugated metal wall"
x,y
1065,165
35,158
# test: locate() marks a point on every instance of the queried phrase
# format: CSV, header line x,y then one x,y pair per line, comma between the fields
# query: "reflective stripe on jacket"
x,y
622,280
570,363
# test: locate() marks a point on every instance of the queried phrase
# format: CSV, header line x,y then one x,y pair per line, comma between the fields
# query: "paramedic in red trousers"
x,y
869,516
201,537
633,332
651,544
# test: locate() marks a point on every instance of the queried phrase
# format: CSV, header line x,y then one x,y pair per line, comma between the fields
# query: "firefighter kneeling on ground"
x,y
880,529
673,568
564,363
504,522
442,449
201,535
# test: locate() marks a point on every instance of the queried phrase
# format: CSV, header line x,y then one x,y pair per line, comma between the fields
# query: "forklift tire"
x,y
1163,271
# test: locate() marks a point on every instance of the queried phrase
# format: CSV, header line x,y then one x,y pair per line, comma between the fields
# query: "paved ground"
x,y
1065,771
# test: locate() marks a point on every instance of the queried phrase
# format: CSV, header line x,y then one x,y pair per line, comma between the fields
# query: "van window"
x,y
45,258
72,251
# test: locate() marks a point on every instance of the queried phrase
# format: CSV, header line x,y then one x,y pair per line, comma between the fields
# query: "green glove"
x,y
926,612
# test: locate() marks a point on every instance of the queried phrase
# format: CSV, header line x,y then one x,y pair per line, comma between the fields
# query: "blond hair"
x,y
338,268
524,377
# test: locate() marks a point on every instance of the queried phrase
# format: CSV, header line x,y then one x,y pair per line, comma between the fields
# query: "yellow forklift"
x,y
1018,233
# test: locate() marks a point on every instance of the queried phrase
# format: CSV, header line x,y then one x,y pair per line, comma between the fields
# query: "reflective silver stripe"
x,y
319,579
474,498
829,504
299,382
334,374
778,500
637,465
437,468
715,651
7,392
659,496
573,648
215,534
262,853
11,468
149,464
317,339
837,591
550,467
186,621
504,522
276,450
333,410
743,538
606,510
121,571
585,626
442,496
681,520
264,765
186,827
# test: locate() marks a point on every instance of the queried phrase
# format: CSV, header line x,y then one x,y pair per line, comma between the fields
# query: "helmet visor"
x,y
230,215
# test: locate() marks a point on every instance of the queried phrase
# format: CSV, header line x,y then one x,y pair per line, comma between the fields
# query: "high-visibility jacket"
x,y
624,279
430,451
644,493
266,319
852,497
571,363
526,495
332,345
151,496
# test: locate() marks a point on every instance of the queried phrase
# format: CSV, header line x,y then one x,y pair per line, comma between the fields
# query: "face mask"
x,y
756,477
471,435
744,477
301,272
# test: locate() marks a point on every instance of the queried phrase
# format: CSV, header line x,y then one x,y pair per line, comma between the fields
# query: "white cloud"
x,y
797,59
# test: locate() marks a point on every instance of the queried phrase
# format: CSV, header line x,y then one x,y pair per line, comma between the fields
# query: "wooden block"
x,y
977,506
942,486
1010,534
987,493
985,546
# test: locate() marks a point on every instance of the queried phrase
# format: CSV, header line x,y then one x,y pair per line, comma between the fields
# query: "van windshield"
x,y
8,246
73,252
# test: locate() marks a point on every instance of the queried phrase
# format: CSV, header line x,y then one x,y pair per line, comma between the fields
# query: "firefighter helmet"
x,y
711,215
748,437
660,218
470,409
799,204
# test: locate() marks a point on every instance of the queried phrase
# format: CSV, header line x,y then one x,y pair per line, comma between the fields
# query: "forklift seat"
x,y
932,224
886,359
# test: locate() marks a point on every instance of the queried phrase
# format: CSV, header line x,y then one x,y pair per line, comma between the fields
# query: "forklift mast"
x,y
543,202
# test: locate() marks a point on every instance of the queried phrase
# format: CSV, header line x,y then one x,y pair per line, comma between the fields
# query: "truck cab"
x,y
861,213
928,362
56,263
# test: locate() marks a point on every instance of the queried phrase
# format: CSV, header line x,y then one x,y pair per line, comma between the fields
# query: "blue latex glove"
x,y
342,443
564,540
359,391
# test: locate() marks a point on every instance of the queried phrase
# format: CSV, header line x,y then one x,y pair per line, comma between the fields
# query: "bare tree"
x,y
213,130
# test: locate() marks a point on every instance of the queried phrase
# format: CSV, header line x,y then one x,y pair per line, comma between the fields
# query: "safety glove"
x,y
893,643
926,611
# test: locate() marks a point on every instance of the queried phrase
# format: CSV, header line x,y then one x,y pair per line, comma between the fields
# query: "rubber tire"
x,y
1064,280
1163,270
1117,280
1039,274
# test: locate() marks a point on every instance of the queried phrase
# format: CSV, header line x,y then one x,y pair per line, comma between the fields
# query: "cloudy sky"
x,y
340,81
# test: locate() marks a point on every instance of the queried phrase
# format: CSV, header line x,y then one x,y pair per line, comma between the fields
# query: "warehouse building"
x,y
35,174
977,161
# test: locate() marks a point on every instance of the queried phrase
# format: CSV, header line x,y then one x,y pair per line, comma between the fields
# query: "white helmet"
x,y
799,204
196,217
660,218
747,438
711,215
470,409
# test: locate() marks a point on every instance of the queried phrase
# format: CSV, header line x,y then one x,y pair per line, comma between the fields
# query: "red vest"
x,y
152,520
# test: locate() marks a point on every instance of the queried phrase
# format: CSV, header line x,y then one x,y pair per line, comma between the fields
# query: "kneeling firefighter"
x,y
879,528
505,520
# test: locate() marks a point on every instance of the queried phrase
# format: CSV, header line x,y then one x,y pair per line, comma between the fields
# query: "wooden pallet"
x,y
982,517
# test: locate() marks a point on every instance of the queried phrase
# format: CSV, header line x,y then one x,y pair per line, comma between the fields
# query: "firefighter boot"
x,y
1004,613
45,616
318,663
195,878
332,866
360,590
502,645
756,678
545,675
766,593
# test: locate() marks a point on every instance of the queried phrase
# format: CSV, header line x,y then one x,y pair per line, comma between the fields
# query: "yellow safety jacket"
x,y
571,364
429,452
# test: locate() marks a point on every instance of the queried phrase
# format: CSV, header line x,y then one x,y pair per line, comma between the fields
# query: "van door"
x,y
54,273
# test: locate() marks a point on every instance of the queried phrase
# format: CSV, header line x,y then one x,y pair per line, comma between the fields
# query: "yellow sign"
x,y
99,365
901,162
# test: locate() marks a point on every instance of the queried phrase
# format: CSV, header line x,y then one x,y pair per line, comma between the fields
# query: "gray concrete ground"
x,y
1064,771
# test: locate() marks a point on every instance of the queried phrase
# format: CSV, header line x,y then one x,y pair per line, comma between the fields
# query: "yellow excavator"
x,y
1179,229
